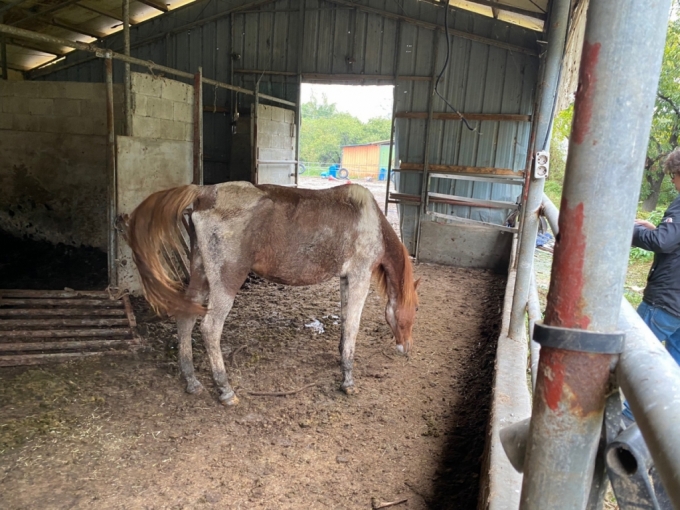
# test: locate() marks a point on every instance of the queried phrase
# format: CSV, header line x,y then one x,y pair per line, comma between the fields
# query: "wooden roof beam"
x,y
42,13
104,12
496,5
11,5
73,28
156,4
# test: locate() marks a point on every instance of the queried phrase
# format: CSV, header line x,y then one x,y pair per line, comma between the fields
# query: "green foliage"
x,y
640,255
325,130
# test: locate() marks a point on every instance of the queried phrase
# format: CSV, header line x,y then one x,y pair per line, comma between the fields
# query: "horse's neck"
x,y
393,262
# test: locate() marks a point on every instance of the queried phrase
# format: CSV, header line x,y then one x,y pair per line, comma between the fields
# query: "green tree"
x,y
325,130
665,124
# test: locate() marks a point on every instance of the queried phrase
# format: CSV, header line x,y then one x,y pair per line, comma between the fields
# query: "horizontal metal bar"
x,y
21,293
57,346
650,379
66,333
274,162
494,117
60,302
22,323
479,178
59,312
331,77
472,222
39,359
470,201
105,53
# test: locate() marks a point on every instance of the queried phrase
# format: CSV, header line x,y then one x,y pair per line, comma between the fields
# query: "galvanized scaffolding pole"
x,y
619,74
557,37
127,76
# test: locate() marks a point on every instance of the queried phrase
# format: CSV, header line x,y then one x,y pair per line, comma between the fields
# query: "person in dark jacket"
x,y
660,307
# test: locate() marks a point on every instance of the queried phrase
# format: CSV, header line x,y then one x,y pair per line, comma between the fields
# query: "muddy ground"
x,y
119,431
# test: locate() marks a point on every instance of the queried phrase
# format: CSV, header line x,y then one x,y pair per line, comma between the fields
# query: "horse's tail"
x,y
153,226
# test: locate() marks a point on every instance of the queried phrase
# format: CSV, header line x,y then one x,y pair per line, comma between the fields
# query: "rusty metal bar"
x,y
198,127
60,302
557,38
21,323
112,177
534,313
127,77
58,346
393,120
39,359
65,333
494,117
100,52
607,145
55,312
425,182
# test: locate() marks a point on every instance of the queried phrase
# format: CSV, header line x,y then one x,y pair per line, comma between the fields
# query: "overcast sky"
x,y
362,101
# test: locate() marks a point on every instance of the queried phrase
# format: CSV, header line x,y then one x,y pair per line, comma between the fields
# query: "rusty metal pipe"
x,y
127,77
557,38
620,67
112,174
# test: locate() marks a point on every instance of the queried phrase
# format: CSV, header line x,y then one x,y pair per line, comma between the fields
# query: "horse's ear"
x,y
415,284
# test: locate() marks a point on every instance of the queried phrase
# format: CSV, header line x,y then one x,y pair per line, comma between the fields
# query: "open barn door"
x,y
274,138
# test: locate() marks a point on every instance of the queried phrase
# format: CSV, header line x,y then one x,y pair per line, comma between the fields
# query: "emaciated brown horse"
x,y
286,235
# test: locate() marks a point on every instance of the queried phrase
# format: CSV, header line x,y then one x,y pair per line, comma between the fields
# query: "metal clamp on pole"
x,y
578,339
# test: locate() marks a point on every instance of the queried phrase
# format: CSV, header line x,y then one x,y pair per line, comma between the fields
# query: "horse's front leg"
x,y
353,292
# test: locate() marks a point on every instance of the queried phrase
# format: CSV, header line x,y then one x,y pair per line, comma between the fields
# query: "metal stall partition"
x,y
458,187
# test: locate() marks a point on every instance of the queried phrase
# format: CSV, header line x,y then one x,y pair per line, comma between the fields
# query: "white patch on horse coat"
x,y
400,348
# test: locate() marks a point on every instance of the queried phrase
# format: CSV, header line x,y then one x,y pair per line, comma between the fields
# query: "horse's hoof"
x,y
194,387
230,399
349,390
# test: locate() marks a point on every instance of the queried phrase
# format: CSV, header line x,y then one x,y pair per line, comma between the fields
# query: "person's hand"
x,y
645,224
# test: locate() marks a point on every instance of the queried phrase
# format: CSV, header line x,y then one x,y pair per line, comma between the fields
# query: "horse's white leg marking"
x,y
353,296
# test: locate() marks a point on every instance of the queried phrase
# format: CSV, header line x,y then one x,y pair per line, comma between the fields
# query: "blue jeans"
x,y
666,328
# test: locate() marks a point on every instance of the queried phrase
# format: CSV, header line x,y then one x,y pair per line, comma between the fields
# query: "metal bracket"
x,y
578,339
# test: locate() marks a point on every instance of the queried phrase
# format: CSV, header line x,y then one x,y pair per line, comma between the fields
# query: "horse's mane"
x,y
407,291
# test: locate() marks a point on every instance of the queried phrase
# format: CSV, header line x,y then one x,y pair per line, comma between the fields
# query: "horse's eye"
x,y
416,308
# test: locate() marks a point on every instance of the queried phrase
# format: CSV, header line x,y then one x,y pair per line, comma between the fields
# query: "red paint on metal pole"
x,y
565,300
586,90
553,372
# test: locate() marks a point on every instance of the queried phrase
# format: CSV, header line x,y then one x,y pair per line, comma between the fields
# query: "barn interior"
x,y
104,102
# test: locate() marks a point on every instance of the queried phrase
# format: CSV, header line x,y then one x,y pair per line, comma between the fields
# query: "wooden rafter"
x,y
11,5
104,12
77,29
499,6
35,47
43,12
156,4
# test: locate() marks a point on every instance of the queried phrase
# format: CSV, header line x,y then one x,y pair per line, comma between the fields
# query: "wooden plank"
x,y
39,359
440,198
66,333
61,302
56,312
21,293
58,346
22,323
503,117
445,169
402,197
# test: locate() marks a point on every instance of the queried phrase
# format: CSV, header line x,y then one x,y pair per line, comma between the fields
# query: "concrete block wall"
x,y
53,183
162,108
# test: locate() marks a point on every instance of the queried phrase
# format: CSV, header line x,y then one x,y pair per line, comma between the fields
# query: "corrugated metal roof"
x,y
93,20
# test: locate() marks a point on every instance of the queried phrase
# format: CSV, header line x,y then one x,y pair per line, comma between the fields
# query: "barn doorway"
x,y
345,136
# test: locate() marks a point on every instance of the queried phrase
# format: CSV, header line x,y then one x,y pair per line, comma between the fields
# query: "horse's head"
x,y
401,314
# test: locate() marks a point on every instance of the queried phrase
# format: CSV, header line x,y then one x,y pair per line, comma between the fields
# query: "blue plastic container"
x,y
383,174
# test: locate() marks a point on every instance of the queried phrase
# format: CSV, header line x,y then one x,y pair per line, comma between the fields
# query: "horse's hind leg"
x,y
353,292
196,292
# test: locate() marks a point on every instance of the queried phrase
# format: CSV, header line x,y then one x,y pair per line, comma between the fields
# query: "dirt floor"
x,y
120,432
